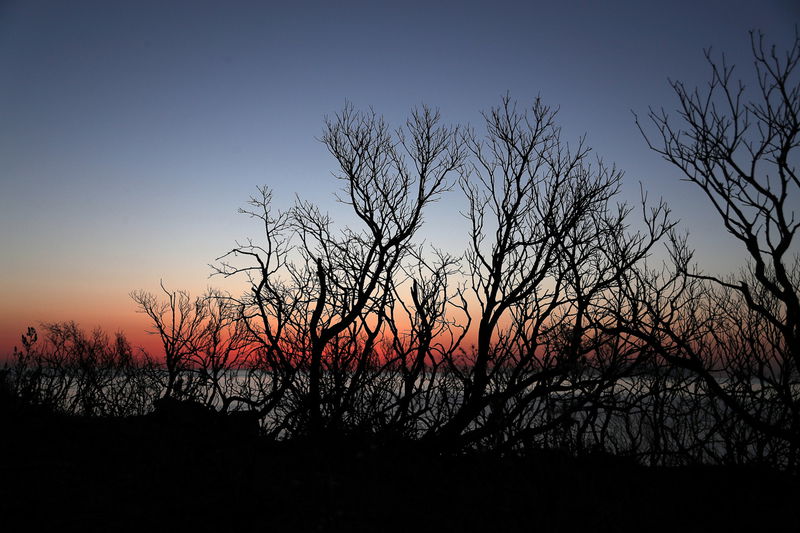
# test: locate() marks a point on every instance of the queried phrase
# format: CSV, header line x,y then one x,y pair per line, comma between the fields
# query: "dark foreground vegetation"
x,y
144,474
572,368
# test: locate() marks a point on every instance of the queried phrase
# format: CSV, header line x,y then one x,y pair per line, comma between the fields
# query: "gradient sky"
x,y
130,132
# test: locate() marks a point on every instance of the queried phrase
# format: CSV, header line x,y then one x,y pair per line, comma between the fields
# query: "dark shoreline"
x,y
131,474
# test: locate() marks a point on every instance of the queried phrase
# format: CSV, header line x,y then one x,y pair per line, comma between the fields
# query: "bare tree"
x,y
325,293
222,350
426,331
545,251
180,324
71,371
740,149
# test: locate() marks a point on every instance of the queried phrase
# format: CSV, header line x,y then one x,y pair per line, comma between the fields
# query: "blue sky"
x,y
130,132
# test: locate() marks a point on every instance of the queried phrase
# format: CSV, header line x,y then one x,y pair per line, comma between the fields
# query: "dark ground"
x,y
59,473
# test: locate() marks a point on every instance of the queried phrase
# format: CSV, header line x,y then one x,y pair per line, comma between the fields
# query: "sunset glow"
x,y
132,133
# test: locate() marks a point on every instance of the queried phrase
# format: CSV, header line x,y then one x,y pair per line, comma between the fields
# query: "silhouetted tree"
x,y
546,253
740,149
180,324
320,295
68,370
426,332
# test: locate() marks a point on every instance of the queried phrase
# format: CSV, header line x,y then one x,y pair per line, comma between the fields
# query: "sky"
x,y
131,132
